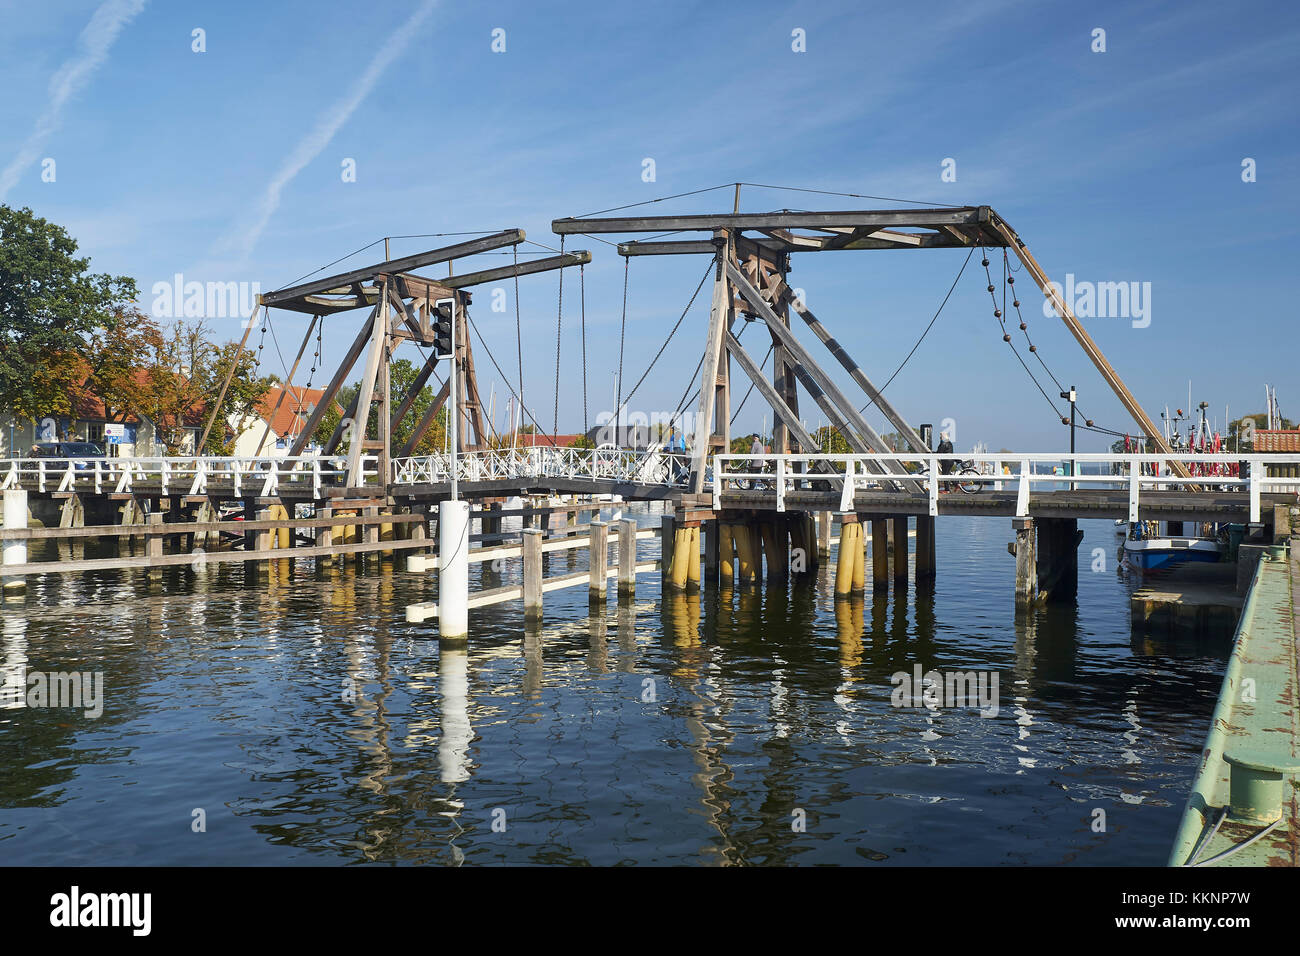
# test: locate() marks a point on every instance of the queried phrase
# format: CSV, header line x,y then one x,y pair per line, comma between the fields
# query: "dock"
x,y
1191,598
1244,808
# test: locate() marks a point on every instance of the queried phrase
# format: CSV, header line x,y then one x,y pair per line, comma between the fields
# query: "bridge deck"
x,y
1081,503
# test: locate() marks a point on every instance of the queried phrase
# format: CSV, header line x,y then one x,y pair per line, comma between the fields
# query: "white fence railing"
x,y
848,474
261,477
591,464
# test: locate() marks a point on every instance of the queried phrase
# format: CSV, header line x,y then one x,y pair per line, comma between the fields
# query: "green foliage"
x,y
51,307
582,441
831,442
402,375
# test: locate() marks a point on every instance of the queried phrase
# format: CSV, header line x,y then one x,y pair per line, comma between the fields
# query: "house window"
x,y
95,432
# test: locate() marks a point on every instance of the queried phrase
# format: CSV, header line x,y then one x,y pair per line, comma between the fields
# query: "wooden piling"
x,y
325,538
823,534
1026,563
924,549
598,561
532,554
859,558
626,558
899,535
726,555
880,553
712,549
775,554
693,557
667,537
153,546
844,560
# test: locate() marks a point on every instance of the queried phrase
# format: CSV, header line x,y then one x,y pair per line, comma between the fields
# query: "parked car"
x,y
78,451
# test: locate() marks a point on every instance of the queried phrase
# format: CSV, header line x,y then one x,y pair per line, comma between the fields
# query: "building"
x,y
533,440
123,435
286,411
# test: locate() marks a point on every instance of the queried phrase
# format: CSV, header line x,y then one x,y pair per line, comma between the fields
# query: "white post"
x,y
1022,490
1134,486
453,570
15,552
1256,466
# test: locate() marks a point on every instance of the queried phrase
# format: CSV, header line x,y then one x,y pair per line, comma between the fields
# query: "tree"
x,y
582,441
831,442
51,309
402,375
181,373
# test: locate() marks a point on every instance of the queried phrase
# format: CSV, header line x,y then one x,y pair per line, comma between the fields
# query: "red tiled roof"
x,y
296,399
547,441
1277,440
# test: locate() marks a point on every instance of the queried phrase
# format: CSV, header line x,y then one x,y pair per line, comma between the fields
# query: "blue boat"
x,y
1153,554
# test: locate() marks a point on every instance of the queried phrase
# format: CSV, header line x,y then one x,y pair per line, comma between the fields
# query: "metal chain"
x,y
622,333
559,329
582,297
519,341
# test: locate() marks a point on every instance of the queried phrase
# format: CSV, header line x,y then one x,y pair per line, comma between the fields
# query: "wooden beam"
x,y
413,392
327,399
378,346
429,416
719,312
783,292
578,257
711,222
787,415
808,364
509,237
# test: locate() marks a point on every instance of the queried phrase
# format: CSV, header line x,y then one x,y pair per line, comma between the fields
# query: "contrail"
x,y
92,50
243,239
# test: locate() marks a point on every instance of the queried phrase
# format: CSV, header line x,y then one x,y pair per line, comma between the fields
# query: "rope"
x,y
828,192
492,358
707,271
1006,336
519,343
761,365
622,335
582,298
933,319
559,328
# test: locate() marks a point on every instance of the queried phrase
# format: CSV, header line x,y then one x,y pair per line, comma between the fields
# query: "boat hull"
x,y
1153,554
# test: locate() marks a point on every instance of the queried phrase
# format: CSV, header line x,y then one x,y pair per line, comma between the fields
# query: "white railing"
x,y
591,464
849,474
194,475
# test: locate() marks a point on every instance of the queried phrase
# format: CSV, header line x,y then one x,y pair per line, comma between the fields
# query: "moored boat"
x,y
1152,554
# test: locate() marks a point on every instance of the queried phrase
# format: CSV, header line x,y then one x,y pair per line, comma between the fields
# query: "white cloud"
x,y
93,46
244,238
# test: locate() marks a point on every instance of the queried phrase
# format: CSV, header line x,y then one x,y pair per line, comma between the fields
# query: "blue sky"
x,y
1117,166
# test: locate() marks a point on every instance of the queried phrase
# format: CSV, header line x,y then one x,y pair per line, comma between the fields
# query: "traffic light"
x,y
442,329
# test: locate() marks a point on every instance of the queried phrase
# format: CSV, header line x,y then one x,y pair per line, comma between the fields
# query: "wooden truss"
x,y
402,306
750,278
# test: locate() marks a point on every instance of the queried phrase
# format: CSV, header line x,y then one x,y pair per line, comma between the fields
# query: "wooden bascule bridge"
x,y
736,517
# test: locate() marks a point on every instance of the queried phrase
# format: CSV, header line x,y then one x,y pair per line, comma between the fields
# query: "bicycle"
x,y
961,469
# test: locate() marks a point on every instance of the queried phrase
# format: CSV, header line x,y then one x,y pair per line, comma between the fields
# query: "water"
x,y
311,725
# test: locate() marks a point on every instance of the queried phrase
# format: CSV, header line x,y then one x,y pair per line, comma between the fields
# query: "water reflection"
x,y
315,724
